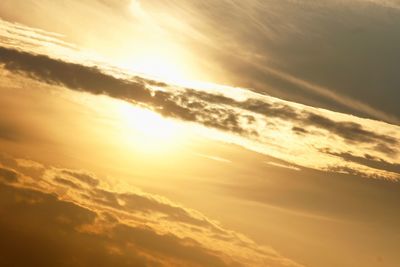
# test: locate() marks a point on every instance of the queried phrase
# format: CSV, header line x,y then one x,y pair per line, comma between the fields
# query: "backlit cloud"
x,y
290,131
74,216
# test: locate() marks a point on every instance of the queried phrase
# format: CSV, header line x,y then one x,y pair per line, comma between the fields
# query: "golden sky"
x,y
199,133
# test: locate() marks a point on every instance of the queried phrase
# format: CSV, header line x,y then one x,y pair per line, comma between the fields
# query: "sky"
x,y
199,133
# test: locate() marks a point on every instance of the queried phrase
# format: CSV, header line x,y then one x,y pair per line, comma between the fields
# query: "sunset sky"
x,y
188,133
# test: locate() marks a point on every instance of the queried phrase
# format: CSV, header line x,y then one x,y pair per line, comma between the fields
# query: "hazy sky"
x,y
199,133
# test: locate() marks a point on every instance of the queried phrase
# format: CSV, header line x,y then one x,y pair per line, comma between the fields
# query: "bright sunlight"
x,y
147,132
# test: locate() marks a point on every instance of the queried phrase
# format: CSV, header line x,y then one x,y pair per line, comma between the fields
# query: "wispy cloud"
x,y
293,132
289,50
281,165
211,157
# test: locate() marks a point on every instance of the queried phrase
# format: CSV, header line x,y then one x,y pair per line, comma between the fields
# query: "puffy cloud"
x,y
63,233
70,224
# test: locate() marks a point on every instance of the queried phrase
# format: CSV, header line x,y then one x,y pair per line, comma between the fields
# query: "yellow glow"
x,y
147,132
160,65
154,54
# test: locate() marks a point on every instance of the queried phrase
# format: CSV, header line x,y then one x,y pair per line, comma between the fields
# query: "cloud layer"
x,y
74,216
296,133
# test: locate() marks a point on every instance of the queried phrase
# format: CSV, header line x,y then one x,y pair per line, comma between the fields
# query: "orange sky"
x,y
117,133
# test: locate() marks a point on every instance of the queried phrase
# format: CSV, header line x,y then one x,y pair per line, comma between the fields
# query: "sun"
x,y
147,132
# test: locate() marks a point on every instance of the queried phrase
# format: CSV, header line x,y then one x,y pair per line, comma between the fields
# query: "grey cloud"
x,y
367,160
299,130
71,75
348,47
210,109
350,131
254,105
91,79
387,149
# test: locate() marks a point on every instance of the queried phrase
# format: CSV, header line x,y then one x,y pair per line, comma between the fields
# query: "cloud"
x,y
289,50
82,177
188,105
211,157
63,233
72,225
290,131
91,79
281,165
350,131
368,160
8,175
286,48
67,183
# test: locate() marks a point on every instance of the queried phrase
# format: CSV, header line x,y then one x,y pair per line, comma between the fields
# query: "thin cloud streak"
x,y
281,165
287,49
216,158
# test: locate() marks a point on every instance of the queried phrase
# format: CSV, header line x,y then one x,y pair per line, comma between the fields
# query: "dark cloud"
x,y
88,185
92,80
350,131
210,109
61,233
391,149
349,48
71,75
114,228
299,130
367,160
352,51
253,105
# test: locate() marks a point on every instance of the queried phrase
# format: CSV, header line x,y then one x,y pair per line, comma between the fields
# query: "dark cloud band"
x,y
209,109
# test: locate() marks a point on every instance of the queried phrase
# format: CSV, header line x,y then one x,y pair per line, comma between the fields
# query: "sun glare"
x,y
148,132
159,65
